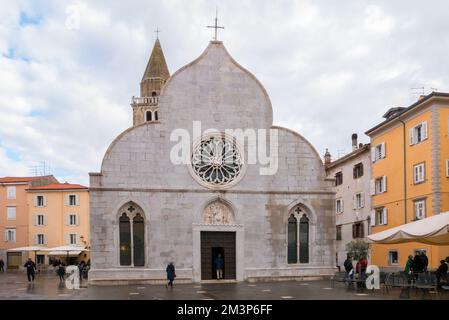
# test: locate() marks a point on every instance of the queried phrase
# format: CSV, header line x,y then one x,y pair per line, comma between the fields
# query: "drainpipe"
x,y
405,171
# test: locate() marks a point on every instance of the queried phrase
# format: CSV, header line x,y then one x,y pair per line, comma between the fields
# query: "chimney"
x,y
354,141
327,157
421,97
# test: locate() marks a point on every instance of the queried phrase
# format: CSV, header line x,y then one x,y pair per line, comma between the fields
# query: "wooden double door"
x,y
213,244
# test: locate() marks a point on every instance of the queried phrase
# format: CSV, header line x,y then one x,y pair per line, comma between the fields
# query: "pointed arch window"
x,y
132,238
292,254
304,239
125,240
138,241
298,235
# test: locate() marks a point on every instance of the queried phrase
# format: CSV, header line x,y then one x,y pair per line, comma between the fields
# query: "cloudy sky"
x,y
69,68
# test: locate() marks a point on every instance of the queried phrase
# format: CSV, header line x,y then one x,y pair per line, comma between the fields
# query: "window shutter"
x,y
447,168
45,220
423,209
78,219
373,154
35,201
6,235
45,200
35,239
67,199
342,205
77,200
362,199
372,187
384,184
382,150
353,231
67,239
412,136
45,239
373,218
415,174
67,219
424,130
384,214
354,201
35,219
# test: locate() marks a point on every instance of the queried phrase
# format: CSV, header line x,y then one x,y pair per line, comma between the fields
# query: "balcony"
x,y
145,101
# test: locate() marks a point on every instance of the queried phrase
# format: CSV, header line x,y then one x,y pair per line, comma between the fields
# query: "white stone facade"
x,y
137,169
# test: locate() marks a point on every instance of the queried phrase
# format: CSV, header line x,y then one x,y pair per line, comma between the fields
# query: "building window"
x,y
73,201
418,133
419,173
447,168
304,239
381,216
40,259
11,192
339,178
338,232
125,240
359,201
11,213
138,241
156,117
40,239
393,257
40,221
72,239
380,185
378,152
339,205
40,201
149,116
420,209
10,235
132,238
73,220
358,230
358,171
292,254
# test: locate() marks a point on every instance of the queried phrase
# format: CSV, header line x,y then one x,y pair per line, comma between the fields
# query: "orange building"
x,y
410,174
58,216
14,222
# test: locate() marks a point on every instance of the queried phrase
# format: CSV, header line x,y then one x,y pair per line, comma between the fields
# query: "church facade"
x,y
161,198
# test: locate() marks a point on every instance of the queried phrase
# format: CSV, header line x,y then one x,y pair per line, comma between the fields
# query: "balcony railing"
x,y
148,101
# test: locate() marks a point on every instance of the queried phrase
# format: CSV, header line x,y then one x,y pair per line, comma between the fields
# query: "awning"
x,y
64,253
433,230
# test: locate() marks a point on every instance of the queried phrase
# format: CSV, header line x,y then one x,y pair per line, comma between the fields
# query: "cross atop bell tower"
x,y
216,27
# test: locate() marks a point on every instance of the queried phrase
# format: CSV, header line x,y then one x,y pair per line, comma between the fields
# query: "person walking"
x,y
2,265
219,264
349,268
61,272
441,272
171,274
31,269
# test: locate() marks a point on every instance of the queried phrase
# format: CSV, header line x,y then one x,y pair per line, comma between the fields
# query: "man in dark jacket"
x,y
417,263
349,268
442,272
171,274
424,261
31,268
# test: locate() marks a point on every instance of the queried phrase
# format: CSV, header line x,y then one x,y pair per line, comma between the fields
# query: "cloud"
x,y
69,69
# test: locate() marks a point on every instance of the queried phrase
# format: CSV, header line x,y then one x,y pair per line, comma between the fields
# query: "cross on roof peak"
x,y
216,27
157,33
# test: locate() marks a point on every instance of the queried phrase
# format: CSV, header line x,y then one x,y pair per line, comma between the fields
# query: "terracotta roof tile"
x,y
60,186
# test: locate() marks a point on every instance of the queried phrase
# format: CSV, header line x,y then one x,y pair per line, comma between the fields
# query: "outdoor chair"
x,y
426,282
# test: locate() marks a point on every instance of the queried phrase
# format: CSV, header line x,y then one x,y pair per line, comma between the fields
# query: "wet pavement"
x,y
15,286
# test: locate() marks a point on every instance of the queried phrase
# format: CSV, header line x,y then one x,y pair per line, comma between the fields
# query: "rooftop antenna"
x,y
216,27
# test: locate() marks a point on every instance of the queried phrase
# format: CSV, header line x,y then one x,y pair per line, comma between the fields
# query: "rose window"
x,y
217,161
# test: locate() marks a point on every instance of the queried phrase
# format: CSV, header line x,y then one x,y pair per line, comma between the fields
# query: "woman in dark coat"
x,y
171,275
61,272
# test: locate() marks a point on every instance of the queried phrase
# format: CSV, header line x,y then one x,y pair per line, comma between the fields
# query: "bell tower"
x,y
145,107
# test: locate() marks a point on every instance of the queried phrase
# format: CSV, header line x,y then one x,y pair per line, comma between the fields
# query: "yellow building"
x,y
58,216
410,174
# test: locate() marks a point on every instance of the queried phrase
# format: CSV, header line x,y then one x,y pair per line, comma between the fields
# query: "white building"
x,y
146,210
352,174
